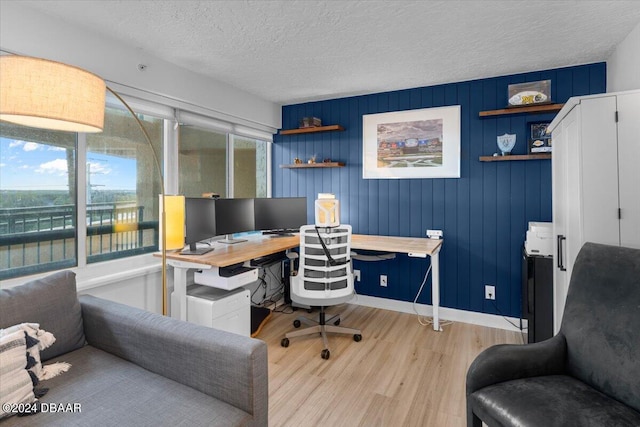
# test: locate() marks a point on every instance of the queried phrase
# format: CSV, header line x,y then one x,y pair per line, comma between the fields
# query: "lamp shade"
x,y
45,94
174,220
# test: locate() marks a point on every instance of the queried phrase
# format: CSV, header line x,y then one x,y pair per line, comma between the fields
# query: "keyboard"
x,y
233,270
268,259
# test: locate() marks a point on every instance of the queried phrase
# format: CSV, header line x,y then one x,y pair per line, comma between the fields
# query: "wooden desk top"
x,y
259,245
401,245
255,247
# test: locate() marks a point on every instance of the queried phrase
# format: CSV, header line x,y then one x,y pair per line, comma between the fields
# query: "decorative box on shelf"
x,y
310,122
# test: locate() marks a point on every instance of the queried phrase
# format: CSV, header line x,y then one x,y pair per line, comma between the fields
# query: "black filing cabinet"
x,y
537,296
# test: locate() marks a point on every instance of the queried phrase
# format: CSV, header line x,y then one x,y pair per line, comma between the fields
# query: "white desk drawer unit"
x,y
220,309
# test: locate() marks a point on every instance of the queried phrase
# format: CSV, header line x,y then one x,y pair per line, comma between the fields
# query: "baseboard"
x,y
455,315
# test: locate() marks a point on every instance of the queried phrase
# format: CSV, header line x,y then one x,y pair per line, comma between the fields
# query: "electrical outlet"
x,y
434,234
489,292
383,280
356,274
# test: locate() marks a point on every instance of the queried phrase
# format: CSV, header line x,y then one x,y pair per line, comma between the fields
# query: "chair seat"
x,y
549,401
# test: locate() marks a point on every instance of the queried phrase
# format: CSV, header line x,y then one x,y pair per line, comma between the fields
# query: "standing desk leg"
x,y
179,311
435,288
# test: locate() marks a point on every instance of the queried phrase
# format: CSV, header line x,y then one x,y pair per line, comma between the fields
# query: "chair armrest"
x,y
506,362
229,367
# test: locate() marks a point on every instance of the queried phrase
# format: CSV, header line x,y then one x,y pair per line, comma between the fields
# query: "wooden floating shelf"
x,y
515,157
545,108
313,165
329,128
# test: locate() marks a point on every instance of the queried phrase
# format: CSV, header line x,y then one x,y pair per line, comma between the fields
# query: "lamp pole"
x,y
163,216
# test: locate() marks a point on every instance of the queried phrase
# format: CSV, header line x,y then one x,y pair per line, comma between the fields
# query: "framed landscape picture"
x,y
422,143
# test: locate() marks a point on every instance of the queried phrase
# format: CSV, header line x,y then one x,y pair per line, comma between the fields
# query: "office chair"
x,y
325,278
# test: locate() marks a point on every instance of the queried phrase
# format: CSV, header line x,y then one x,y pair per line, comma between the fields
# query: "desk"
x,y
224,255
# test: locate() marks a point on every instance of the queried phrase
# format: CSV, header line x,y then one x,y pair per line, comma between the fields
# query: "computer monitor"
x,y
234,216
200,223
281,215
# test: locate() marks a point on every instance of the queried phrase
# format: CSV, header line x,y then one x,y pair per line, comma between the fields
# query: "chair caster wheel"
x,y
296,323
337,322
325,354
357,337
284,342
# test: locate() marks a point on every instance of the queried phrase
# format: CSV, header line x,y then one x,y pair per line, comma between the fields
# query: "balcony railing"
x,y
44,238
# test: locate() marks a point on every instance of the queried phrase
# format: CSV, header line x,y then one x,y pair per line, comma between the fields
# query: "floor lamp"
x,y
51,95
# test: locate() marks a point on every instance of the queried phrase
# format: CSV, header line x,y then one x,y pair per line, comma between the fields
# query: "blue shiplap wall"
x,y
484,214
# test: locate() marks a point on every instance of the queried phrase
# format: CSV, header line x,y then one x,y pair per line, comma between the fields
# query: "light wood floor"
x,y
400,374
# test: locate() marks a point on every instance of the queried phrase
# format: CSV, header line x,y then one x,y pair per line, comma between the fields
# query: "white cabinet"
x,y
595,179
216,308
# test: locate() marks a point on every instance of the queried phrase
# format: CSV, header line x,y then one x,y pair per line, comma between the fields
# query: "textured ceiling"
x,y
294,51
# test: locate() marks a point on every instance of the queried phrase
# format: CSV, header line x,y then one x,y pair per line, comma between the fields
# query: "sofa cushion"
x,y
51,302
37,340
113,392
555,400
16,386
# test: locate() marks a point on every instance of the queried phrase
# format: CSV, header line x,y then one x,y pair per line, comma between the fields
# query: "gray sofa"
x,y
130,367
586,375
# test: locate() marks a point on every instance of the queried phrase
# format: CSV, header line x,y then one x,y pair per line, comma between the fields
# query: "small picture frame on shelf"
x,y
539,139
539,130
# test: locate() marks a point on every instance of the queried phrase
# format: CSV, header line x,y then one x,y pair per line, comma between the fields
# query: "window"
x,y
202,161
250,167
122,187
37,200
109,182
216,162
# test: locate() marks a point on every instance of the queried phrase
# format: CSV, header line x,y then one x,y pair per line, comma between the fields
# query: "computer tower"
x,y
537,296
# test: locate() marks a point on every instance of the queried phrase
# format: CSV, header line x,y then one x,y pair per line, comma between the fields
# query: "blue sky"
x,y
32,166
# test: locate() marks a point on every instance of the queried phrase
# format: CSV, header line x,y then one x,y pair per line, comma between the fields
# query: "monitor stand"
x,y
229,240
194,250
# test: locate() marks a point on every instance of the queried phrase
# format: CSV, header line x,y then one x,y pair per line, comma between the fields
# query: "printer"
x,y
539,240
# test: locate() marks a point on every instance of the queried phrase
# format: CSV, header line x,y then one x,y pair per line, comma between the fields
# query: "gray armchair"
x,y
586,375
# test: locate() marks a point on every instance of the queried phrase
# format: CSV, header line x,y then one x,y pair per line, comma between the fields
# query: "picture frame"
x,y
539,130
421,143
539,139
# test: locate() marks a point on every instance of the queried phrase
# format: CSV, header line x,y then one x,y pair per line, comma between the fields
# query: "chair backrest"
x,y
601,321
318,282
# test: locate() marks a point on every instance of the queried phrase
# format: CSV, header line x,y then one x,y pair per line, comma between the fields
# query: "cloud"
x,y
57,167
54,148
2,165
32,146
16,144
99,168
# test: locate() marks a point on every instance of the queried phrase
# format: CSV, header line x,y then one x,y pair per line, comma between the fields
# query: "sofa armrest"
x,y
507,362
229,367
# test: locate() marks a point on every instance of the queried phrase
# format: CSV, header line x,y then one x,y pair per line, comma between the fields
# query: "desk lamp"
x,y
45,94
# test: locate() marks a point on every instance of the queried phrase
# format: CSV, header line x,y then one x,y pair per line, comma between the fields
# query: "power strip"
x,y
434,234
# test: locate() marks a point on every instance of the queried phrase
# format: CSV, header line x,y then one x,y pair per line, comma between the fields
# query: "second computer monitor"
x,y
281,213
234,216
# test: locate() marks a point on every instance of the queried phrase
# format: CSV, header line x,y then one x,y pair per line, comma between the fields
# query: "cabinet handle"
x,y
560,262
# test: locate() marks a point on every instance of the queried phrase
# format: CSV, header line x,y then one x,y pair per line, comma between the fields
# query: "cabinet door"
x,y
629,164
599,151
564,136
